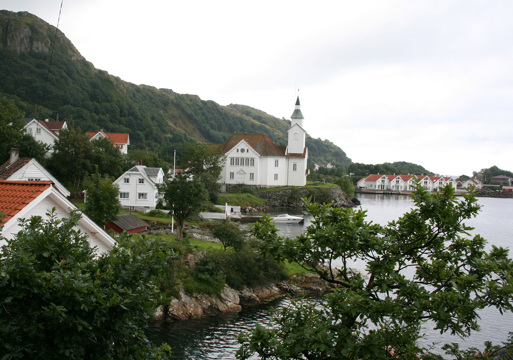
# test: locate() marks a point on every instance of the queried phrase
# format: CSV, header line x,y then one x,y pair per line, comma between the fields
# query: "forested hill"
x,y
48,78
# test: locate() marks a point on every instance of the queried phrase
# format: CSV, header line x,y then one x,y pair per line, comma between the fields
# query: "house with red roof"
x,y
394,182
45,131
25,199
120,140
28,169
255,160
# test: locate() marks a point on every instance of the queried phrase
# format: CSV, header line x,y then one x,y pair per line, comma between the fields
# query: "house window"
x,y
294,167
34,179
232,175
251,176
141,181
124,195
30,131
38,130
142,196
131,208
276,163
275,177
126,180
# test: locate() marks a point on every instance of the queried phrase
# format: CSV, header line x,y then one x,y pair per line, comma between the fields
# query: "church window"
x,y
294,167
276,163
295,136
236,161
242,150
251,176
241,161
232,175
247,161
232,161
275,177
252,162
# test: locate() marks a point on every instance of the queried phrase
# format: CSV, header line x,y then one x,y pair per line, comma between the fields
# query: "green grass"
x,y
241,199
294,269
322,186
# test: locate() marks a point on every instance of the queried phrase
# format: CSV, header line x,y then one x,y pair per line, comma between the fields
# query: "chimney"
x,y
15,154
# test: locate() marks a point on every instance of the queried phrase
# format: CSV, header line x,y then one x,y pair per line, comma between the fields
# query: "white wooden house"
x,y
46,131
27,169
138,188
24,199
120,140
404,182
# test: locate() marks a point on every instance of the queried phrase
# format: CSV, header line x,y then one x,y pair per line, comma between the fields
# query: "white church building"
x,y
255,160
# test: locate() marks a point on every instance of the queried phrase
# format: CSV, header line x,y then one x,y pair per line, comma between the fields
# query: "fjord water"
x,y
216,337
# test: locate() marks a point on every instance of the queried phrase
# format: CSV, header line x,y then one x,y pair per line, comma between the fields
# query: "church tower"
x,y
297,134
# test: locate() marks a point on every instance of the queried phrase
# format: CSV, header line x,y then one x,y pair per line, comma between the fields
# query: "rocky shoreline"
x,y
194,306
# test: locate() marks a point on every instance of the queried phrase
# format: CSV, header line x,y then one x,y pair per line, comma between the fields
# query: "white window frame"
x,y
275,177
140,181
232,175
142,196
124,195
276,163
126,180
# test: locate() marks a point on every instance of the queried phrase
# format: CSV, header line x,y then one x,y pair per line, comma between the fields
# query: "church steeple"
x,y
297,116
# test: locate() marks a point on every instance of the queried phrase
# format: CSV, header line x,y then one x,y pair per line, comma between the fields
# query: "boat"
x,y
288,219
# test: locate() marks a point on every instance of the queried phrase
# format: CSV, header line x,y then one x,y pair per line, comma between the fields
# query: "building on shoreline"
x,y
406,183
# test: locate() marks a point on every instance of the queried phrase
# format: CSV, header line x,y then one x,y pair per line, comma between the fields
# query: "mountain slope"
x,y
48,78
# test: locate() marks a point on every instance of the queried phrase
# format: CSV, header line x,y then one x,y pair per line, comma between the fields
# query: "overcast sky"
x,y
429,82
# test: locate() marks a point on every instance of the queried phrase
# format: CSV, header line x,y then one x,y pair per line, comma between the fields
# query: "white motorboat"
x,y
288,219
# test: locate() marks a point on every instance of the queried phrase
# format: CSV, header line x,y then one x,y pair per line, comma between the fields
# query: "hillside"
x,y
48,78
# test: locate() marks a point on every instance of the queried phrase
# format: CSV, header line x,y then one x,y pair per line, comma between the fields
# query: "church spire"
x,y
297,111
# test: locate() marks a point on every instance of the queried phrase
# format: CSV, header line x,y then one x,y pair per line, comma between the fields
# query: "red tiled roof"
x,y
261,143
373,177
7,169
15,195
116,138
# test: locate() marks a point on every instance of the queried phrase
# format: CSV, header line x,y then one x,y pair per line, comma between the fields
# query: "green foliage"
x,y
71,161
346,185
238,269
229,234
421,267
59,299
108,159
13,135
241,199
486,174
205,163
102,199
185,197
398,167
157,213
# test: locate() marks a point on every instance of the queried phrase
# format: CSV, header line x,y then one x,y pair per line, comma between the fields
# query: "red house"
x,y
127,222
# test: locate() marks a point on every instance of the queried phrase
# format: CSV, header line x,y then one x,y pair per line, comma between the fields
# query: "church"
x,y
255,160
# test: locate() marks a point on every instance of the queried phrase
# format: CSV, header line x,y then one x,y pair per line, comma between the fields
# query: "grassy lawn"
x,y
241,199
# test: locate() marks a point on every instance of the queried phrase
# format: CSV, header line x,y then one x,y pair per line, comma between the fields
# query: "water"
x,y
216,337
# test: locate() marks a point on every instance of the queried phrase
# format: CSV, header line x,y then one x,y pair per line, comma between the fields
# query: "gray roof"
x,y
152,171
129,222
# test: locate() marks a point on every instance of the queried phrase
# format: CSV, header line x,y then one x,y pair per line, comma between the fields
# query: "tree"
x,y
108,158
59,299
184,196
206,164
421,267
102,198
346,185
12,133
72,159
229,234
